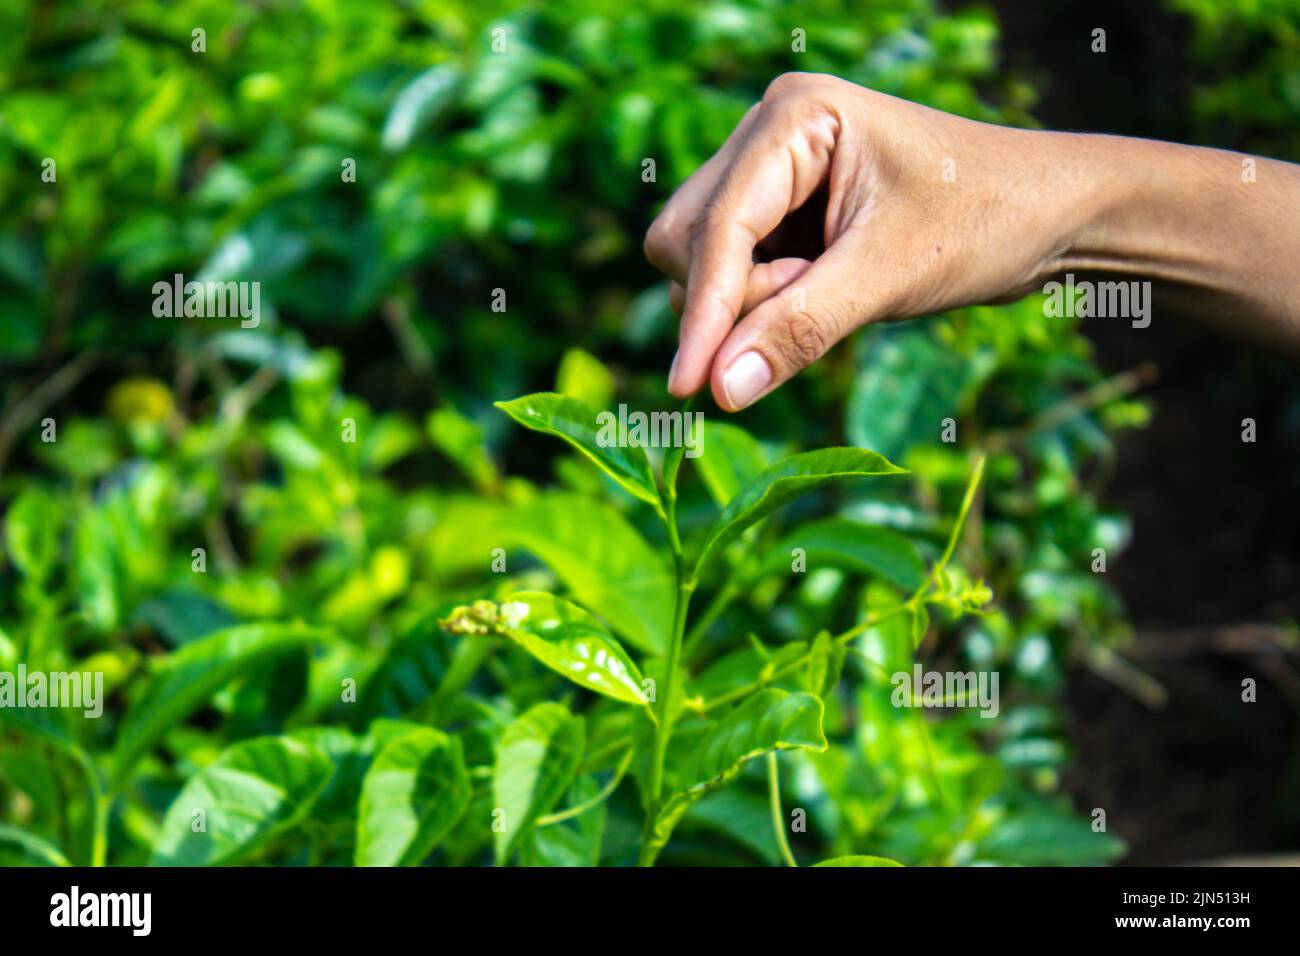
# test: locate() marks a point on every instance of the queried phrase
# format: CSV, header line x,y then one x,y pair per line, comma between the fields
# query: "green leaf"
x,y
770,720
413,794
32,525
604,562
852,546
461,440
31,770
741,816
1049,837
907,383
825,664
583,376
253,792
537,757
581,426
189,677
54,724
674,455
268,697
562,636
602,559
421,103
410,673
744,666
22,322
351,756
181,615
33,846
783,482
920,621
732,458
574,842
859,861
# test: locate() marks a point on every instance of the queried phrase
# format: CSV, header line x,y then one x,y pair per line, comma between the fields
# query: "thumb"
x,y
792,329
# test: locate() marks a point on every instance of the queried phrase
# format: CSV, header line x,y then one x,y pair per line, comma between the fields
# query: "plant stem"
x,y
740,693
778,819
700,629
672,681
581,808
99,802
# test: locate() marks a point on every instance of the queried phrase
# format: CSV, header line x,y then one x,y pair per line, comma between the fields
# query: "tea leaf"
x,y
783,482
190,676
409,674
33,846
584,377
674,455
253,792
744,666
461,440
907,383
31,529
859,861
412,795
1049,836
602,559
769,720
852,546
920,619
731,459
562,636
537,757
578,424
825,664
577,841
351,756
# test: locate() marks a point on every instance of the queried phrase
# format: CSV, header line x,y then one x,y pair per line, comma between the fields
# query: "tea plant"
x,y
259,592
719,735
320,715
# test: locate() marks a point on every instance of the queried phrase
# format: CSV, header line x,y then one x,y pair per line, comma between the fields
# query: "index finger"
x,y
774,171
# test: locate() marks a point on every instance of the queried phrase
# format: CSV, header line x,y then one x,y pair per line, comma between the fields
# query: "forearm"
x,y
925,211
1221,240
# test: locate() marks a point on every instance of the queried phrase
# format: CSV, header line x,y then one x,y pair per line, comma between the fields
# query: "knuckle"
x,y
804,338
657,243
787,85
798,106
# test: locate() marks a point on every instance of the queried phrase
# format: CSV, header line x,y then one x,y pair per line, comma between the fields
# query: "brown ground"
x,y
1216,548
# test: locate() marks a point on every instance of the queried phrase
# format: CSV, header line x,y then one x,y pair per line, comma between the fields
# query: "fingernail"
x,y
745,379
672,370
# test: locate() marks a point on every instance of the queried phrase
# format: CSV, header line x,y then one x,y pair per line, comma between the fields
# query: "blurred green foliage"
x,y
327,561
1246,61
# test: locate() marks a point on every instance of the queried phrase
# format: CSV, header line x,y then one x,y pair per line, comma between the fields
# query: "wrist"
x,y
1100,199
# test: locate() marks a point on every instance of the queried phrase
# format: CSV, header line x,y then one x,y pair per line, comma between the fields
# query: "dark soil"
x,y
1216,549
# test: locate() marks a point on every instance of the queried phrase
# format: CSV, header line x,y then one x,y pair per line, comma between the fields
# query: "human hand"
x,y
832,206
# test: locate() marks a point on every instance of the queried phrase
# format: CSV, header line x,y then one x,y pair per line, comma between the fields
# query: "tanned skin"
x,y
832,206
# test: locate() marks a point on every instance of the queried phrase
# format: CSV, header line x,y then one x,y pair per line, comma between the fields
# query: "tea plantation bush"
x,y
305,555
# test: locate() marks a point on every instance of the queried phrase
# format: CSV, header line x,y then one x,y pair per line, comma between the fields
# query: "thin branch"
x,y
604,794
29,409
778,819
